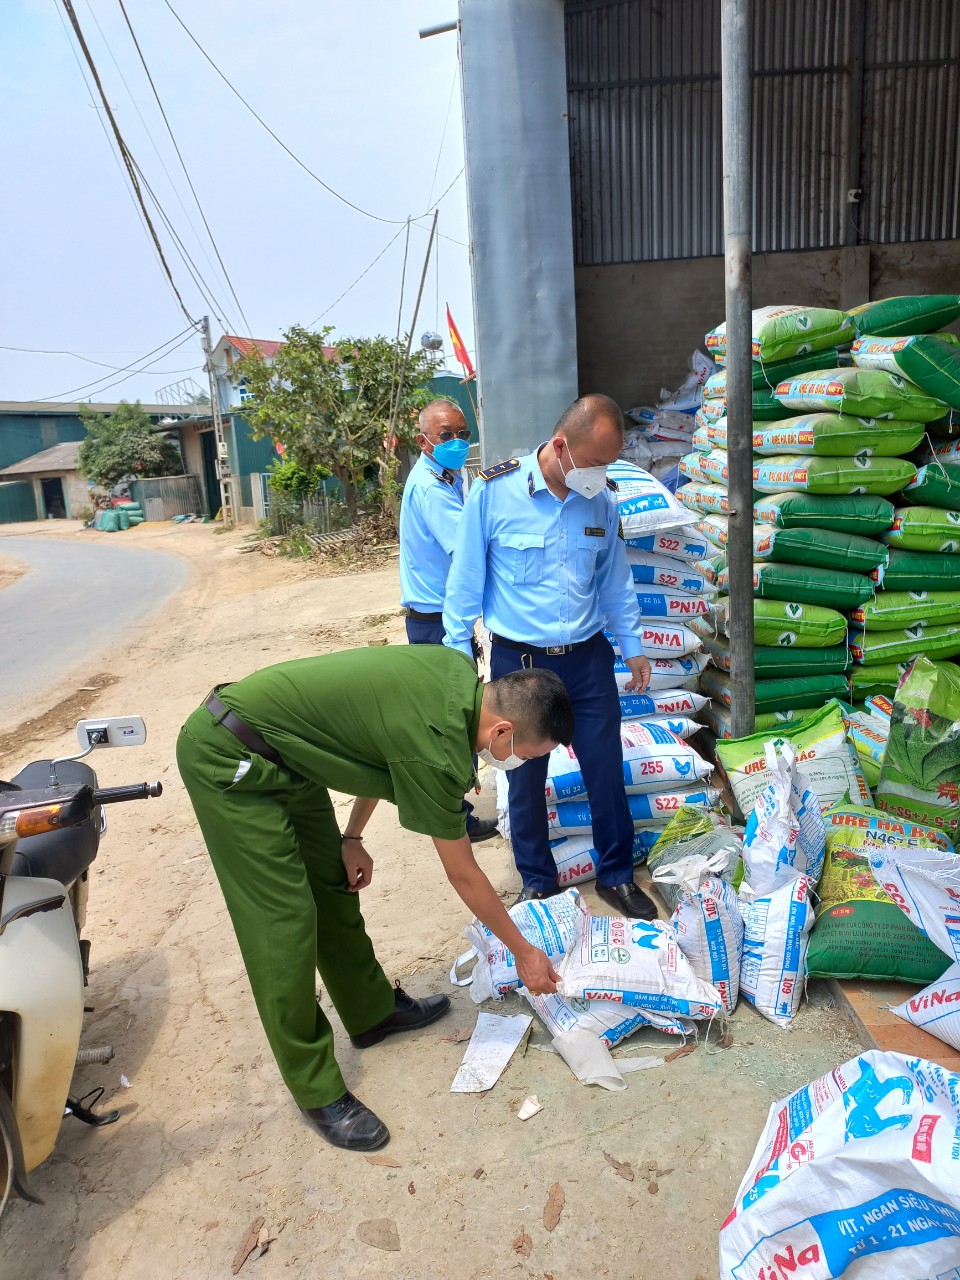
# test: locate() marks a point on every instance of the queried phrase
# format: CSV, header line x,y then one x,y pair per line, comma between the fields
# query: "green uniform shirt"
x,y
397,723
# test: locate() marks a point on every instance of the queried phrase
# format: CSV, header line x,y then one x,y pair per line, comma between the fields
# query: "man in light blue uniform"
x,y
538,553
429,514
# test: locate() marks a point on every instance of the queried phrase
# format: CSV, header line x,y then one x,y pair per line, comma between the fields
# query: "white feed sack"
x,y
936,1008
551,924
776,934
856,1175
654,759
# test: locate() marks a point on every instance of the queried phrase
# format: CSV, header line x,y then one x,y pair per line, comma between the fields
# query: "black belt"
x,y
422,617
242,732
551,650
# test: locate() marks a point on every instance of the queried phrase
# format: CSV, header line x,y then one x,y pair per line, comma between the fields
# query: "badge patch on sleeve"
x,y
595,533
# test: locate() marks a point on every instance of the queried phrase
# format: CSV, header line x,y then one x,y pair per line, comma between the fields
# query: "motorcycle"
x,y
51,823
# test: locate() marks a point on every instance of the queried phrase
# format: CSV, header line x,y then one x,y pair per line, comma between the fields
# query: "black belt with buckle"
x,y
550,651
422,617
242,732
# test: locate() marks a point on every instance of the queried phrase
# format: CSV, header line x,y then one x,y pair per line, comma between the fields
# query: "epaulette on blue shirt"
x,y
500,469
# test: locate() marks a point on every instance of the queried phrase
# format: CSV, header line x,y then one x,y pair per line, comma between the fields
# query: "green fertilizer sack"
x,y
771,662
934,640
891,610
900,316
789,624
806,584
823,547
931,361
863,473
935,485
705,498
919,571
855,513
859,930
718,721
871,682
833,435
824,757
860,393
794,693
766,406
925,529
710,567
691,466
920,776
714,529
766,376
780,333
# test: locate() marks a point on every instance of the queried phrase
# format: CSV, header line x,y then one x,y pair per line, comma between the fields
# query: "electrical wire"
x,y
42,351
183,166
153,143
292,154
443,135
164,349
125,155
396,236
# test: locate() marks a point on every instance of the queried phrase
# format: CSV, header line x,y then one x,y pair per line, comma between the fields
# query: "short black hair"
x,y
578,421
537,703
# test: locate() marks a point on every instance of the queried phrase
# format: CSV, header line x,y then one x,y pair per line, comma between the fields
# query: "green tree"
x,y
123,445
331,406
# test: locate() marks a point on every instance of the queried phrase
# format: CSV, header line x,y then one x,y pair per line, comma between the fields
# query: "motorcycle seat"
x,y
57,855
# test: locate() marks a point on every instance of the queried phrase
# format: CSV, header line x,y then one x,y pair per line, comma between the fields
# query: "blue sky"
x,y
349,87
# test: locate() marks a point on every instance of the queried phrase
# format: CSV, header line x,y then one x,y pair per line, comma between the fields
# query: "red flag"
x,y
459,350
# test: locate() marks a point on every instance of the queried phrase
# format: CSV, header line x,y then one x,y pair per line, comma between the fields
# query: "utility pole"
x,y
223,454
738,249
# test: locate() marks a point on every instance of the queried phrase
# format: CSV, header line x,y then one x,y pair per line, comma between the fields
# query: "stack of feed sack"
x,y
662,773
656,438
661,770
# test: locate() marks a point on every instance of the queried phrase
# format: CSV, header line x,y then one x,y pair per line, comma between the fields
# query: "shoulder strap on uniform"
x,y
500,469
445,476
612,484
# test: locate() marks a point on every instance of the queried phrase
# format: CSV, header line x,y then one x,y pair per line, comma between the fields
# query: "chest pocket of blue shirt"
x,y
587,550
525,551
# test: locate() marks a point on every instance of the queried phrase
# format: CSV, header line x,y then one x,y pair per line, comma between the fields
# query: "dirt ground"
x,y
209,1141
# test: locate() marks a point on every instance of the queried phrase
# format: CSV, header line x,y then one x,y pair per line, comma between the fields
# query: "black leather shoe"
x,y
536,895
347,1123
407,1016
628,900
482,829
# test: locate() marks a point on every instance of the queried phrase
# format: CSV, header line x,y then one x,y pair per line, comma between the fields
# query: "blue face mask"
x,y
451,454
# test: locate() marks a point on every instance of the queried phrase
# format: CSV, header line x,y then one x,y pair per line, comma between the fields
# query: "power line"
x,y
152,140
183,166
443,136
396,235
293,156
164,348
76,355
125,155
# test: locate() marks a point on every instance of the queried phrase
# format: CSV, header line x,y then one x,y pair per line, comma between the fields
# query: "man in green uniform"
x,y
398,724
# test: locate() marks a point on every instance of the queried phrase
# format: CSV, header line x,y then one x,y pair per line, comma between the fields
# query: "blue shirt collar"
x,y
432,463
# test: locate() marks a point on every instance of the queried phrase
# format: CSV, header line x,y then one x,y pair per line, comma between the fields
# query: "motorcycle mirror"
x,y
112,731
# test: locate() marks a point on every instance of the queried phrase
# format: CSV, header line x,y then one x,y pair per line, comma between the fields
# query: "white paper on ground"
x,y
493,1043
625,1065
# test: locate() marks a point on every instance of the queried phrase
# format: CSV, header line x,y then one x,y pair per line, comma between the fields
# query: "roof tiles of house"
x,y
267,348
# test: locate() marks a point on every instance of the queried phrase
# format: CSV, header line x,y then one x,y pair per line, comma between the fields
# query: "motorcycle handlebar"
x,y
136,791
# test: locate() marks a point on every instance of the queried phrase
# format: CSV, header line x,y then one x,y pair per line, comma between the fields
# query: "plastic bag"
x,y
856,1175
785,833
551,924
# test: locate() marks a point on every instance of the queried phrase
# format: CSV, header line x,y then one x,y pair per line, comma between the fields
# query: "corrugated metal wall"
x,y
848,94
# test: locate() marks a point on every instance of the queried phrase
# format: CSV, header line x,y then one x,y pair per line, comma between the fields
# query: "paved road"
x,y
77,600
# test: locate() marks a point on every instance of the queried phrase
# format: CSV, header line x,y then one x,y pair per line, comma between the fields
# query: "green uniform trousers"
x,y
275,846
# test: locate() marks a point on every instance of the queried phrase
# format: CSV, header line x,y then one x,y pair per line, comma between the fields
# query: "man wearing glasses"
x,y
429,515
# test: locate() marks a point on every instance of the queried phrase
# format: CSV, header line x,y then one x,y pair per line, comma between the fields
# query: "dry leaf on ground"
x,y
623,1167
554,1206
381,1233
523,1244
681,1052
653,1188
388,1162
411,1188
478,1173
248,1243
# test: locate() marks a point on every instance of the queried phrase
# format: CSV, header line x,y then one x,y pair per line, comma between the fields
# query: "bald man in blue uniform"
x,y
538,554
429,514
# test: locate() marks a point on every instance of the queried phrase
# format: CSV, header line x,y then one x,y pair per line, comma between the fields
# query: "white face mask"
x,y
587,481
511,762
